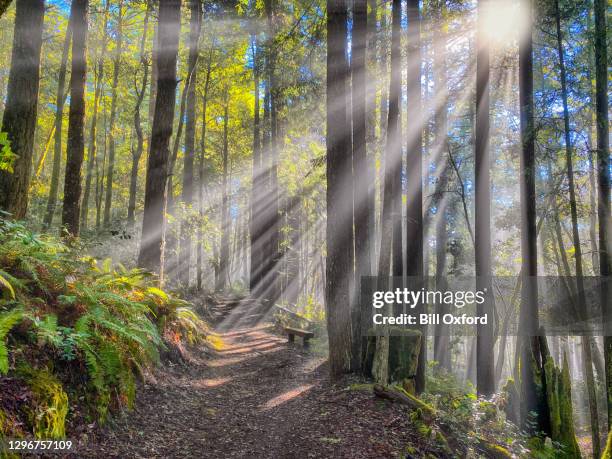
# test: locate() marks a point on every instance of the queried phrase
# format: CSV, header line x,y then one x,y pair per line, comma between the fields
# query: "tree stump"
x,y
396,357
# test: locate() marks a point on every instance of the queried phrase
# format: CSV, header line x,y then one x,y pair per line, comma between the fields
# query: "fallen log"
x,y
403,397
428,414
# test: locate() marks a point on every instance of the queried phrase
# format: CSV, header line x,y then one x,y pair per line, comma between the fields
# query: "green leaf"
x,y
158,293
6,285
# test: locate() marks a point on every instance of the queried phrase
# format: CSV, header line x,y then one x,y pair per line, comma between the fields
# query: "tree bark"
x,y
202,177
152,243
137,154
76,119
60,99
392,154
384,110
533,400
113,116
256,230
485,378
603,181
92,149
271,217
362,191
19,119
339,194
100,168
225,221
442,338
190,128
371,140
414,137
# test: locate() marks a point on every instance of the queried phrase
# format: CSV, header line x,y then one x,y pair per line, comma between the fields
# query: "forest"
x,y
204,204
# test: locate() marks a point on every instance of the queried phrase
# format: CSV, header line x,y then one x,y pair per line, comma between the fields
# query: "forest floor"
x,y
256,397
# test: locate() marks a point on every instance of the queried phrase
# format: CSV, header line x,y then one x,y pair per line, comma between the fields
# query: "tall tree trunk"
x,y
60,99
171,239
533,400
100,168
485,378
339,194
586,346
371,141
92,148
137,154
442,339
392,155
190,128
293,213
113,116
201,176
593,212
414,138
76,118
225,221
272,249
152,243
256,229
603,181
362,191
19,119
384,111
396,158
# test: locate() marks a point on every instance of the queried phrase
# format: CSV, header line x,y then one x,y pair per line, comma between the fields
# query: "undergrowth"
x,y
76,333
480,425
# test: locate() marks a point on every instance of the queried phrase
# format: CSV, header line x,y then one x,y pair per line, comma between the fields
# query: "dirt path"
x,y
258,398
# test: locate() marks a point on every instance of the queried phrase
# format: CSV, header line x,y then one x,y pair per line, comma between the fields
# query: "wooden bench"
x,y
292,332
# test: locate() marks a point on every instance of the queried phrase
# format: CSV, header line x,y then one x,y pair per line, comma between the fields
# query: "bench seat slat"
x,y
299,332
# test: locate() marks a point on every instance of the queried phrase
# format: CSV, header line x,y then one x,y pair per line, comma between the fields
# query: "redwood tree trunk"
x,y
113,116
202,178
603,181
485,377
256,230
532,400
442,339
93,149
76,118
152,243
190,126
362,192
60,99
19,120
136,155
225,221
380,367
339,194
414,137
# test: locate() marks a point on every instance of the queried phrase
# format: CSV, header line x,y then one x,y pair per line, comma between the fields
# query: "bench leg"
x,y
290,338
306,343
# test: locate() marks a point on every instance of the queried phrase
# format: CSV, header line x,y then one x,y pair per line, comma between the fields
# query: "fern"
x,y
46,330
7,321
105,319
6,285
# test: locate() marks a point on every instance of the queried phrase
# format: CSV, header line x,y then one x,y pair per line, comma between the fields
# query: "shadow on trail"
x,y
256,396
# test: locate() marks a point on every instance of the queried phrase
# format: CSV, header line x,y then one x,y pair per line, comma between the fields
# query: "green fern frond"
x,y
6,287
7,321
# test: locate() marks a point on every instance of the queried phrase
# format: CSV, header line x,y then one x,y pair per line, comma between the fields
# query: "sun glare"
x,y
504,21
